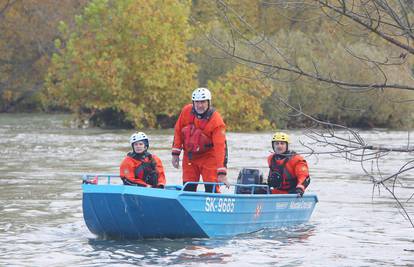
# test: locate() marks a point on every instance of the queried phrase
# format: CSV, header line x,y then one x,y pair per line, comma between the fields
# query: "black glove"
x,y
152,178
299,192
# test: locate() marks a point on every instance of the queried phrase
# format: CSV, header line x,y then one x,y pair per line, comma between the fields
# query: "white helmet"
x,y
201,94
140,136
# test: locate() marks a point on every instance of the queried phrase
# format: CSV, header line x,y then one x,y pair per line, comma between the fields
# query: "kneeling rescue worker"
x,y
140,167
289,173
201,133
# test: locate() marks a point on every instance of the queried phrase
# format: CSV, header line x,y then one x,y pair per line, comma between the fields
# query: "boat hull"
x,y
129,212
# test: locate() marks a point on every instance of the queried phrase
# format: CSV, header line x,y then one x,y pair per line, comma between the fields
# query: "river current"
x,y
42,160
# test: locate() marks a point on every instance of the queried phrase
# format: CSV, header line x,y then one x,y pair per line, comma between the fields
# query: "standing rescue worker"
x,y
289,173
201,133
140,167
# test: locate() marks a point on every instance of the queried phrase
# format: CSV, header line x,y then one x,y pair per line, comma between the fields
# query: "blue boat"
x,y
117,211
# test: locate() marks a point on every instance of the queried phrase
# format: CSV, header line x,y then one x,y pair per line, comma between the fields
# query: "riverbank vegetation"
x,y
134,63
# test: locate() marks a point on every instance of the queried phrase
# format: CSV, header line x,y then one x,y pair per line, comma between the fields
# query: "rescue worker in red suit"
x,y
289,173
141,168
201,133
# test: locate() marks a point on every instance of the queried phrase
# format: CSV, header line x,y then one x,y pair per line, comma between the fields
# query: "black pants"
x,y
193,187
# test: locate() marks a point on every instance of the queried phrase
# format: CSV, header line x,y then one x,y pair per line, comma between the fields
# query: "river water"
x,y
41,223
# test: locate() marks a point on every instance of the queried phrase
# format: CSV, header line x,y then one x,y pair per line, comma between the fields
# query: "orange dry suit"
x,y
203,140
288,171
143,169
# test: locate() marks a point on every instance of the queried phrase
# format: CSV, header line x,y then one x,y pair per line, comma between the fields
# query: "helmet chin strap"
x,y
287,147
200,116
133,150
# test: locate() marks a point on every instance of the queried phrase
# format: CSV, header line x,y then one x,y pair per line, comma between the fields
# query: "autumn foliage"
x,y
138,62
129,56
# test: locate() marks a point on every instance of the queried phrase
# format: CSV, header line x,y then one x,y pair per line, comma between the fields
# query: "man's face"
x,y
139,147
201,106
279,147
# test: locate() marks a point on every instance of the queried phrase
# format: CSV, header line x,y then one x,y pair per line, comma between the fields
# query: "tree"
x,y
27,32
361,59
128,56
239,98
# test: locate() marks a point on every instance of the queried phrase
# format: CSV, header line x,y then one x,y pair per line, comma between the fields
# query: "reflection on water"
x,y
41,223
285,235
206,251
162,252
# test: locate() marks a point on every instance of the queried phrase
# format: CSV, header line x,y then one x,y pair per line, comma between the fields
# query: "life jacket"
x,y
195,141
279,176
146,171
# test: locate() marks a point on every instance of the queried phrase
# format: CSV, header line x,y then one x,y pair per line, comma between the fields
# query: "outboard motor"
x,y
250,176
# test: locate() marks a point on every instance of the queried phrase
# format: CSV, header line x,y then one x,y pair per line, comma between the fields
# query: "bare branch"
x,y
368,26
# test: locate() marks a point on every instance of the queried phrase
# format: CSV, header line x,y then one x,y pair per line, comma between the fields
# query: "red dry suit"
x,y
143,170
204,144
289,170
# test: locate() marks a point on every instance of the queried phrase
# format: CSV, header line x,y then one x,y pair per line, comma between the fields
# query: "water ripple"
x,y
41,222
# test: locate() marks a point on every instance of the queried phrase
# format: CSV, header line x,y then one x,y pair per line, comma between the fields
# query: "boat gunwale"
x,y
171,193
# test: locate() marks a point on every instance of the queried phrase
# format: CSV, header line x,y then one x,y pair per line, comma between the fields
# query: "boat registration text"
x,y
219,204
